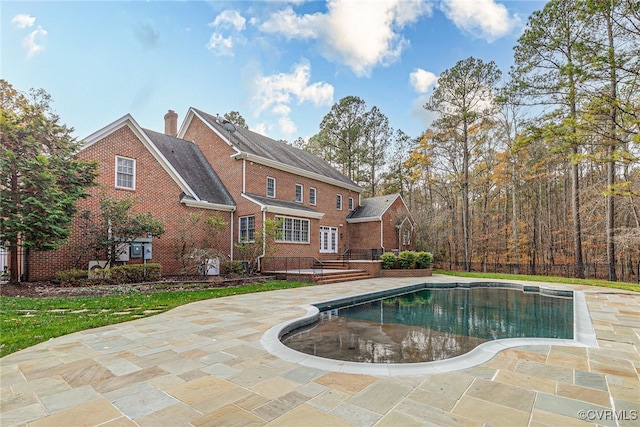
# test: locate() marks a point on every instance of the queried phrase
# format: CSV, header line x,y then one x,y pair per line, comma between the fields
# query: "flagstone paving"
x,y
203,365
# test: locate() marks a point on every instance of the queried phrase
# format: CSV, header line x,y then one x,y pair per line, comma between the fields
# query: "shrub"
x,y
407,259
233,267
71,276
424,259
388,260
136,273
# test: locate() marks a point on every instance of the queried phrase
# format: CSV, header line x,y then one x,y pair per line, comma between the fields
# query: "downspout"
x,y
244,175
232,223
382,236
264,238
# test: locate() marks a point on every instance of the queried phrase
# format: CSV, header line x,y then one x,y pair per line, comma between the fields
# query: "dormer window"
x,y
299,190
271,187
125,173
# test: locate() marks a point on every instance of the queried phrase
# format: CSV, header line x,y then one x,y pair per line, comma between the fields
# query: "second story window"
x,y
350,203
339,202
299,190
271,187
312,196
125,173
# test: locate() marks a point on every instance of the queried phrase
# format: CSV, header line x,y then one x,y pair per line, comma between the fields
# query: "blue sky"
x,y
281,64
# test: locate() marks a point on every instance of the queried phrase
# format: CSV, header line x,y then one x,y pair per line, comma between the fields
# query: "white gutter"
x,y
202,204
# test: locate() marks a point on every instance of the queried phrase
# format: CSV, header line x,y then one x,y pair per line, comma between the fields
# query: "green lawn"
x,y
552,279
28,321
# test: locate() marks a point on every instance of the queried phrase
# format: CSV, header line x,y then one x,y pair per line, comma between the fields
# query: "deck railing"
x,y
292,265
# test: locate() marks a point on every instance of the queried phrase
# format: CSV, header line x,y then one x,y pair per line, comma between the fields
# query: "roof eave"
x,y
285,211
202,204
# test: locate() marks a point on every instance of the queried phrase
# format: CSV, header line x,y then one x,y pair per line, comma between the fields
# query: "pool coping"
x,y
583,333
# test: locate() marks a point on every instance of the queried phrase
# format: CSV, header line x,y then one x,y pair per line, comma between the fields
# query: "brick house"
x,y
210,167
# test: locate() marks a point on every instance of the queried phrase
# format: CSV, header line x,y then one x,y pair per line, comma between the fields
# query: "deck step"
x,y
333,265
338,277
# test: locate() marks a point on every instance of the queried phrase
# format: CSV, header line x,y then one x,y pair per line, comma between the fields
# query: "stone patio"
x,y
203,365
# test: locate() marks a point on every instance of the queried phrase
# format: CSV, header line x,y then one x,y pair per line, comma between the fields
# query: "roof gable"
x,y
372,208
177,166
270,152
190,163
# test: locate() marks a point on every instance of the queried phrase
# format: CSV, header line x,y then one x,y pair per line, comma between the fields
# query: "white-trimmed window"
x,y
350,203
271,187
406,237
312,196
125,173
247,229
294,230
299,190
339,202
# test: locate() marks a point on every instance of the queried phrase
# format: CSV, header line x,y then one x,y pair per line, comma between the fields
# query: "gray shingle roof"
x,y
251,142
187,159
280,203
373,207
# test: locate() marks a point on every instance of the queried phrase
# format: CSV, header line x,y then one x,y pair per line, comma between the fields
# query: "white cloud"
x,y
275,93
23,21
421,80
482,18
222,46
31,42
359,34
229,20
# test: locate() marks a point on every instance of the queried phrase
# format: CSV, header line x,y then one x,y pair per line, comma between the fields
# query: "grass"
x,y
28,321
551,279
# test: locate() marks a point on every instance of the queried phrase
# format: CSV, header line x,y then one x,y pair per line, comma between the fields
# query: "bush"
x,y
388,260
71,276
424,259
136,273
407,259
233,267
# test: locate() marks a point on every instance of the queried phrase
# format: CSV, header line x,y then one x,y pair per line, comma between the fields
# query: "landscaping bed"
x,y
179,283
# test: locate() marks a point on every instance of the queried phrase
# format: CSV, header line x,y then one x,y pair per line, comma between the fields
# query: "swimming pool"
x,y
432,324
381,330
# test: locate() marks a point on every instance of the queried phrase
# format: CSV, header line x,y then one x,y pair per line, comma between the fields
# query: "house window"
x,y
406,237
339,202
247,228
350,203
271,187
125,173
294,230
312,196
299,190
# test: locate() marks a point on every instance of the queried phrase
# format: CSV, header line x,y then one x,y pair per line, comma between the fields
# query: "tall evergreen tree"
x,y
463,100
41,179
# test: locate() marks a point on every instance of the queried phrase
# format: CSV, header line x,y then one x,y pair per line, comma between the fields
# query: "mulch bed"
x,y
51,289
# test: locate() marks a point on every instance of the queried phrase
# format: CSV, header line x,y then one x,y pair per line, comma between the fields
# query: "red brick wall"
x,y
365,235
389,220
231,173
155,192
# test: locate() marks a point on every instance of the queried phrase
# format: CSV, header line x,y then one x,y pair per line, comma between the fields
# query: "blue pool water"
x,y
432,324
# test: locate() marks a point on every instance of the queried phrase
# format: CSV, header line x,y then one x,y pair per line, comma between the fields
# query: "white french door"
x,y
328,240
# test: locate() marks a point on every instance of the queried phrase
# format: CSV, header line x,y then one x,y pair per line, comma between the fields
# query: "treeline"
x,y
539,166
